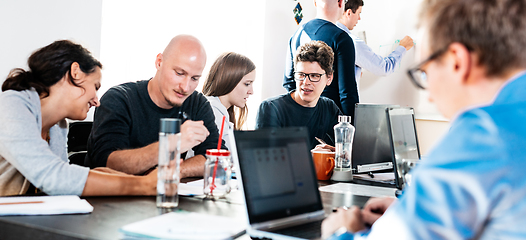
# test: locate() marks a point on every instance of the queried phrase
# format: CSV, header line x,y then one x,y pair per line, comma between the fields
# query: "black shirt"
x,y
283,111
127,118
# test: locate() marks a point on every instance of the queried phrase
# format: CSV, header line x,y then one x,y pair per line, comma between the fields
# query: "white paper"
x,y
184,225
358,189
46,205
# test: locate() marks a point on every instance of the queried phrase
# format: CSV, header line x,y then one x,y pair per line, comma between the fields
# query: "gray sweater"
x,y
25,156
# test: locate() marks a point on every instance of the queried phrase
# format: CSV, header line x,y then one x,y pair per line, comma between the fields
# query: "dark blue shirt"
x,y
343,90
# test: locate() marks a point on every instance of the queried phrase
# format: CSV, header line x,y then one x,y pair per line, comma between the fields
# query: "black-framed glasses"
x,y
419,76
313,77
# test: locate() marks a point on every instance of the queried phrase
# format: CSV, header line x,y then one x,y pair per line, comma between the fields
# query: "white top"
x,y
219,111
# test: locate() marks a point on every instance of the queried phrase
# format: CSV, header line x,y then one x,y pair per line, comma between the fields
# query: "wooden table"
x,y
111,213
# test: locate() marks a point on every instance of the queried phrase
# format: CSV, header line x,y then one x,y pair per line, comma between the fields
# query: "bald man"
x,y
125,130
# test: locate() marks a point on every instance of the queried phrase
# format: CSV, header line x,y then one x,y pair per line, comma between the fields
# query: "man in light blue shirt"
x,y
365,57
472,185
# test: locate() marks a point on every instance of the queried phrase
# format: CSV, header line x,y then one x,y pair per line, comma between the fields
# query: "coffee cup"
x,y
324,164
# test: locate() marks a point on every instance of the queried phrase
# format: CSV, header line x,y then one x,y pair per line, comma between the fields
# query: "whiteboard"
x,y
385,22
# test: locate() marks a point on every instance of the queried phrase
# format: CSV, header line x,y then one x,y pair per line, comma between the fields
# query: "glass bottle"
x,y
169,154
343,134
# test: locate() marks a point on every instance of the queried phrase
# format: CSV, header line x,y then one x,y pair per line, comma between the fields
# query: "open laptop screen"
x,y
277,173
404,141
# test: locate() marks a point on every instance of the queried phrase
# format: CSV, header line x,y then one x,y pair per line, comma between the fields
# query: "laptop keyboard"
x,y
310,230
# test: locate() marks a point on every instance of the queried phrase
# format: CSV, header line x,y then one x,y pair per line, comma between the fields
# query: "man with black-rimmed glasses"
x,y
305,106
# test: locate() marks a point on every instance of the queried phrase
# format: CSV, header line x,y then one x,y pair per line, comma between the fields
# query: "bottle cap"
x,y
343,118
218,152
170,125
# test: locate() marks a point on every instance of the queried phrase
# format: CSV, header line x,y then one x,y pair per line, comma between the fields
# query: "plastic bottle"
x,y
344,135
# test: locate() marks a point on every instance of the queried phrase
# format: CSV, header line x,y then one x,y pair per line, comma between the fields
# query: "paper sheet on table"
x,y
185,225
195,188
358,189
43,205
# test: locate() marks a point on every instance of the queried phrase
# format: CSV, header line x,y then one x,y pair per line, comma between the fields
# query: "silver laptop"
x,y
403,139
371,148
277,176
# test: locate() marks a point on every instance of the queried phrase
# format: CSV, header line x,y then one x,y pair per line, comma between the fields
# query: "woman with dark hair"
x,y
227,87
61,83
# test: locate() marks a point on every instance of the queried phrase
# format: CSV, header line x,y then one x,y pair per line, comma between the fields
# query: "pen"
x,y
13,203
321,141
183,116
329,137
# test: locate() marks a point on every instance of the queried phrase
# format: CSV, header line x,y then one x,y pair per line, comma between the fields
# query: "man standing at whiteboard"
x,y
365,57
342,90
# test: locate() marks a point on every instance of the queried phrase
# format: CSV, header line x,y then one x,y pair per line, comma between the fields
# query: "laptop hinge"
x,y
374,167
289,221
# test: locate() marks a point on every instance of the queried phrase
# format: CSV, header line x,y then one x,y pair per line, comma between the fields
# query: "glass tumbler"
x,y
217,174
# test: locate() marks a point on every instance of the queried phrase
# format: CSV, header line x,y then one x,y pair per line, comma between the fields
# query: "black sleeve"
x,y
111,128
345,54
288,79
203,111
268,115
334,112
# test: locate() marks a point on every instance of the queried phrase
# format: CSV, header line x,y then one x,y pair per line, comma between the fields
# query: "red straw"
x,y
221,133
213,186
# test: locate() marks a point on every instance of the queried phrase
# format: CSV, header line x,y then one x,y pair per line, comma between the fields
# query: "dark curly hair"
x,y
316,51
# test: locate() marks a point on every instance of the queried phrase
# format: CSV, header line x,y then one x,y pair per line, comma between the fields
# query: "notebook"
x,y
279,183
403,139
371,150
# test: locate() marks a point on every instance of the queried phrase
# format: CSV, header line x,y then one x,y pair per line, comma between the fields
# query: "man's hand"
x,y
193,133
323,148
375,208
407,42
351,219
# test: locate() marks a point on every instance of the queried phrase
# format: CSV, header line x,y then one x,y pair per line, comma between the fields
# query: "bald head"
x,y
179,69
185,45
330,10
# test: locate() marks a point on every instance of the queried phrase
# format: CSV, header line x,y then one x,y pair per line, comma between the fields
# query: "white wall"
x,y
27,25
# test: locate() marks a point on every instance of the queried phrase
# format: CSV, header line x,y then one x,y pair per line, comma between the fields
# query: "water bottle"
x,y
343,134
169,155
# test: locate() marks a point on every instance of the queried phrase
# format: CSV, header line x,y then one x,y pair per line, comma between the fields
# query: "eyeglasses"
x,y
313,77
419,76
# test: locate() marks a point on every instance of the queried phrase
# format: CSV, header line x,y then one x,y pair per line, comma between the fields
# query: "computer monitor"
x,y
371,148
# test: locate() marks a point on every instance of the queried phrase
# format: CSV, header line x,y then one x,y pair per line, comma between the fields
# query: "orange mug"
x,y
324,164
